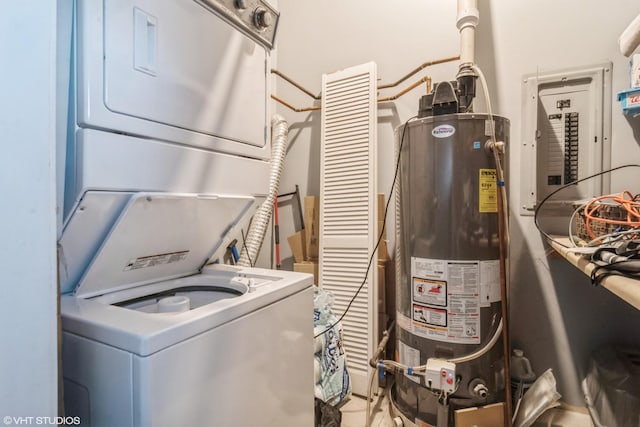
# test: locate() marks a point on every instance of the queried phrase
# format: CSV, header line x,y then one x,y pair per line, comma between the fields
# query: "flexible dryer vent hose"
x,y
260,221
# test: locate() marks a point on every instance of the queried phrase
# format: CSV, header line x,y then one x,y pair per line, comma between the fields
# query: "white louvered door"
x,y
348,213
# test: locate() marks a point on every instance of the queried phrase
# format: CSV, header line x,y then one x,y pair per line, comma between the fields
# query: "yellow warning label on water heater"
x,y
487,191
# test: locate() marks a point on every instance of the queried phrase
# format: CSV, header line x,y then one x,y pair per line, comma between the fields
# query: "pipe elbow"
x,y
498,146
468,14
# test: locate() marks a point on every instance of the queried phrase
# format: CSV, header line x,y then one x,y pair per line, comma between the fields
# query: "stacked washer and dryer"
x,y
165,155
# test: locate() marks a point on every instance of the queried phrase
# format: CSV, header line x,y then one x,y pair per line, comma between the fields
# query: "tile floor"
x,y
354,411
354,414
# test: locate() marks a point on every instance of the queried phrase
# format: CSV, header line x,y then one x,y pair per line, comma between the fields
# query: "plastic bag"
x,y
612,386
327,415
332,377
322,303
541,396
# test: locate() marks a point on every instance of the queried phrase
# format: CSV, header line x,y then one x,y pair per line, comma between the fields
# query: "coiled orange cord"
x,y
626,200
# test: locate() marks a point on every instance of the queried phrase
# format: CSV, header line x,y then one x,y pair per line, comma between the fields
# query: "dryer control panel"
x,y
256,18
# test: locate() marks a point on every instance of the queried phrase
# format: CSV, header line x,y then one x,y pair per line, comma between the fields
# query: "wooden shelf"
x,y
624,287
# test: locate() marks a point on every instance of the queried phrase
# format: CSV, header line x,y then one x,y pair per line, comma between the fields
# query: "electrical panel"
x,y
566,136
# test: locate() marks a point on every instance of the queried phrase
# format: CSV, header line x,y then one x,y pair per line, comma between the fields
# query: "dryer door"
x,y
172,70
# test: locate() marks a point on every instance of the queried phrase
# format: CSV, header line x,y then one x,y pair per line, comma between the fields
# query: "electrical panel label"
x,y
445,298
487,191
153,260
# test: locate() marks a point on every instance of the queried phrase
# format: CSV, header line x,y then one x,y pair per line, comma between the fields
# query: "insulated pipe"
x,y
260,222
468,17
630,37
373,362
484,350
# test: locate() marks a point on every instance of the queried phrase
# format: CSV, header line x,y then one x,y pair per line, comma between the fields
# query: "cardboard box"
x,y
383,250
381,283
307,267
484,416
381,206
382,300
312,226
297,245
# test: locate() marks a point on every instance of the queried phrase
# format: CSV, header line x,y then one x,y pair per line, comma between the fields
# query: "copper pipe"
x,y
386,86
425,79
291,81
291,107
504,292
424,65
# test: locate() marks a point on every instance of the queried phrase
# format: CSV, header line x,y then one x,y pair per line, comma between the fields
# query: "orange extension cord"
x,y
628,201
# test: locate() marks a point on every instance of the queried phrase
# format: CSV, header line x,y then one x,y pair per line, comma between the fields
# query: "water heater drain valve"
x,y
440,375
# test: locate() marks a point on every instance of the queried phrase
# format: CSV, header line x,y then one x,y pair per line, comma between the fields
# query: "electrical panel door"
x,y
566,136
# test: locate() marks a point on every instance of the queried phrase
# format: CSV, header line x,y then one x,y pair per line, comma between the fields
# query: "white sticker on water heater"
x,y
489,282
443,131
409,356
445,297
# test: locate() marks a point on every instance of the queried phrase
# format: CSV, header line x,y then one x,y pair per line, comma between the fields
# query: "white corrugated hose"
x,y
260,221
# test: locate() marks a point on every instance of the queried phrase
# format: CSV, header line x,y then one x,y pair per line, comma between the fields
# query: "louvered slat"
x,y
347,209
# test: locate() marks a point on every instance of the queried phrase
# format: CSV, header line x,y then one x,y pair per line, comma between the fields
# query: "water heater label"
x,y
430,316
487,191
433,292
443,131
489,282
445,298
409,356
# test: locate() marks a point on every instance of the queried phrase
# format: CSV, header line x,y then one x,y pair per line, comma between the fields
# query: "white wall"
x,y
322,37
28,335
558,318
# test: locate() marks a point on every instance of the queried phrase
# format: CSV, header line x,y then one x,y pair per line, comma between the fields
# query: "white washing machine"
x,y
154,337
164,153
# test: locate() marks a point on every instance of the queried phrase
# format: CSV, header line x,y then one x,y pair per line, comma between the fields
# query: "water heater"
x,y
448,263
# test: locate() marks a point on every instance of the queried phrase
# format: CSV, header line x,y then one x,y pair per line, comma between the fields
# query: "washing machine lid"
x,y
160,236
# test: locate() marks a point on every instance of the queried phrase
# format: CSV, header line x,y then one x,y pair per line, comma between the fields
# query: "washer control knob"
x,y
262,18
240,4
